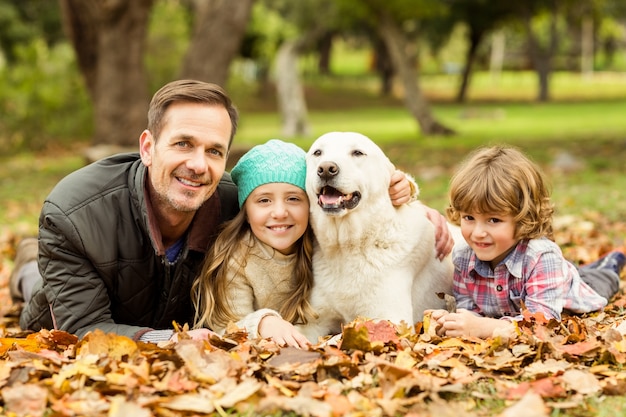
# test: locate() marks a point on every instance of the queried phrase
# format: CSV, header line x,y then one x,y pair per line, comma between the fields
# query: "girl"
x,y
259,273
502,204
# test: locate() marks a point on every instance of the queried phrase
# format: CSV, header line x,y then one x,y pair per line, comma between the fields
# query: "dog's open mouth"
x,y
331,199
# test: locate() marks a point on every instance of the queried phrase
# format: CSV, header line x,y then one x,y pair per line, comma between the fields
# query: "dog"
x,y
370,259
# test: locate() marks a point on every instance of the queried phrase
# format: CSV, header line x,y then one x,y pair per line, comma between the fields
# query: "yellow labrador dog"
x,y
371,259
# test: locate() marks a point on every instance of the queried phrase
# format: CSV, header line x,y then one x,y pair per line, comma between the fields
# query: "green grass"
x,y
592,129
25,180
477,122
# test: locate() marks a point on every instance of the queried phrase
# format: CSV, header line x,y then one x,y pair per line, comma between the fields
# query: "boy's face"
x,y
491,236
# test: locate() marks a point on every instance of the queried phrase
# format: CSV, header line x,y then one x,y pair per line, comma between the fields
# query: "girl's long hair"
x,y
231,249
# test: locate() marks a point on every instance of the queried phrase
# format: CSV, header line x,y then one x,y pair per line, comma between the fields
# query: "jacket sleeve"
x,y
73,296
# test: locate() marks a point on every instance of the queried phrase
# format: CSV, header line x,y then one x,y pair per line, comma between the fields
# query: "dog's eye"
x,y
357,152
317,152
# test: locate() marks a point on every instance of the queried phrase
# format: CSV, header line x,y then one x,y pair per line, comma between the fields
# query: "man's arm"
x,y
77,298
403,189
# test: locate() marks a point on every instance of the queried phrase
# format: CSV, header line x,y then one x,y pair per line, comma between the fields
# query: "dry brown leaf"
x,y
530,405
373,368
25,400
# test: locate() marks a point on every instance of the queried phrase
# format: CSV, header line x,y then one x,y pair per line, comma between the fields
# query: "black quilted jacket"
x,y
99,258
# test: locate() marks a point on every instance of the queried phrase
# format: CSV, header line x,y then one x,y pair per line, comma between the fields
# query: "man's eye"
x,y
215,152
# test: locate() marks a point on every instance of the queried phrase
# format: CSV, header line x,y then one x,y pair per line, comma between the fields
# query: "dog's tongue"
x,y
330,196
330,199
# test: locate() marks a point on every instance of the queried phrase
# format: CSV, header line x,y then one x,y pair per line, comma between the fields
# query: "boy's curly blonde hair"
x,y
502,180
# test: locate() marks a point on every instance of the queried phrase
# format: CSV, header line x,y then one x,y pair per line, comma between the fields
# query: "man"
x,y
121,240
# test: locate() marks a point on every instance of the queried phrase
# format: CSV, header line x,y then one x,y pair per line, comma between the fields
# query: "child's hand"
x,y
436,315
466,323
436,318
461,323
399,188
282,332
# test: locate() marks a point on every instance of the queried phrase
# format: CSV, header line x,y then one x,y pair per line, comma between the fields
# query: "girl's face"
x,y
491,236
278,214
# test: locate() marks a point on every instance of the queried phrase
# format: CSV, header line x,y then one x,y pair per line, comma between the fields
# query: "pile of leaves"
x,y
372,369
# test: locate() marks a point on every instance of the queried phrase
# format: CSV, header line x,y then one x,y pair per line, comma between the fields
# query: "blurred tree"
x,y
398,23
481,17
541,19
38,79
109,40
307,22
219,28
383,64
264,34
168,39
612,30
21,21
593,26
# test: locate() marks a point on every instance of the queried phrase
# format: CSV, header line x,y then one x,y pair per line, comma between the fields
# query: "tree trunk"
x,y
109,39
541,58
397,45
383,66
497,56
290,92
79,24
586,53
218,31
324,49
475,37
290,96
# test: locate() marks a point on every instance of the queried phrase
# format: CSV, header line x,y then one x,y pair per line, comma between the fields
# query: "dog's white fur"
x,y
375,260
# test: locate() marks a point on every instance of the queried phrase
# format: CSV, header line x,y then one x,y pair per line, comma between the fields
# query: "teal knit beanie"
x,y
273,161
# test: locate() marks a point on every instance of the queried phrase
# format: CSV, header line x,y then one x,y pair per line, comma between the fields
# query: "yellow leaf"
x,y
112,345
405,360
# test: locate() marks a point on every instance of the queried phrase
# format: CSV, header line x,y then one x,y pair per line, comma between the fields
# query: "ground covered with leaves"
x,y
571,367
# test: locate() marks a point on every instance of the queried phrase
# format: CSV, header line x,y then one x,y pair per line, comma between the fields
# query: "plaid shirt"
x,y
534,272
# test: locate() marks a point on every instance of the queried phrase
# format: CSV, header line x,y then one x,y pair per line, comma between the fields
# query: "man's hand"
x,y
443,238
401,191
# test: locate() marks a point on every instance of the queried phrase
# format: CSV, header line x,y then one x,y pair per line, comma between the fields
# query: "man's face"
x,y
188,159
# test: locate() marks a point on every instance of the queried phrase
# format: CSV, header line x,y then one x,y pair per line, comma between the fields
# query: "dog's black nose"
x,y
327,170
